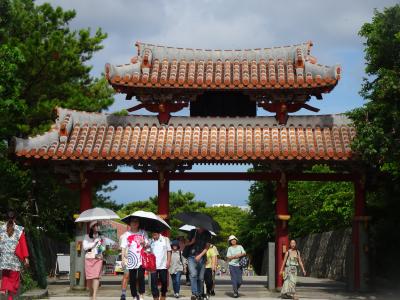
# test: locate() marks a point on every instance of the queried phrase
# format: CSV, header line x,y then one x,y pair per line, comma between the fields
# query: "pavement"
x,y
254,287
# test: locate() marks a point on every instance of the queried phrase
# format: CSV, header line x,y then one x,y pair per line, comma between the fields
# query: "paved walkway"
x,y
253,288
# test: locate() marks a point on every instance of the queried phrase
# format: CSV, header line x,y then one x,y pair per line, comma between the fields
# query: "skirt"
x,y
10,281
93,268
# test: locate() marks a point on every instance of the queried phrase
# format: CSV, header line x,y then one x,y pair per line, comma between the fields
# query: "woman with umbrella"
x,y
94,247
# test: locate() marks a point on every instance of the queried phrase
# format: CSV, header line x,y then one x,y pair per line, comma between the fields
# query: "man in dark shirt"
x,y
199,241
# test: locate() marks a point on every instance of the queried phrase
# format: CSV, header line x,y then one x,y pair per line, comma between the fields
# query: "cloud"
x,y
218,24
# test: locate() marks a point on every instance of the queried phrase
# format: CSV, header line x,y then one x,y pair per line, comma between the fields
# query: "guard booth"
x,y
223,90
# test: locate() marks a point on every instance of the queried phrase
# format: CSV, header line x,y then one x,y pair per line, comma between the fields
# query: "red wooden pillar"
x,y
360,238
282,232
86,196
163,198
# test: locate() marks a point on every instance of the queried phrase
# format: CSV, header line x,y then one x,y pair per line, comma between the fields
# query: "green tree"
x,y
319,206
229,218
258,228
378,134
43,64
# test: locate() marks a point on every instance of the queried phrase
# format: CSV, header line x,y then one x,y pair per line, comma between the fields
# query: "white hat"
x,y
232,237
91,224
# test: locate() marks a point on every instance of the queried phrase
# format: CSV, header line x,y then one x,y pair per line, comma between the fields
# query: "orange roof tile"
x,y
96,136
287,67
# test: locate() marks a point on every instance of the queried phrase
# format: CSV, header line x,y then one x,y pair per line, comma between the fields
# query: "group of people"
x,y
196,255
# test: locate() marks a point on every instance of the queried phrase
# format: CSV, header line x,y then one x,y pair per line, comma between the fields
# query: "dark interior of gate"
x,y
223,89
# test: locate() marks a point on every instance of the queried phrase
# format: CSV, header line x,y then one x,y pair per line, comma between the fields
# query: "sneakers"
x,y
123,297
235,295
176,295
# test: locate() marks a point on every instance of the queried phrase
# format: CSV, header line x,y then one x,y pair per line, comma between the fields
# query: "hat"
x,y
91,224
232,237
175,243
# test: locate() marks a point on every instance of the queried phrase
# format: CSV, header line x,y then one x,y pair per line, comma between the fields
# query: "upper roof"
x,y
264,69
100,137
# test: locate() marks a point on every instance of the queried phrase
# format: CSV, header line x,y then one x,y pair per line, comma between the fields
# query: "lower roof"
x,y
87,136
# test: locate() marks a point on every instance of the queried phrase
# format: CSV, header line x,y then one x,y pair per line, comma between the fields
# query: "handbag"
x,y
148,261
244,261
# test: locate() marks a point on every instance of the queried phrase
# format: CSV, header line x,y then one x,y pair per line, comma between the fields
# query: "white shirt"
x,y
124,236
133,242
160,249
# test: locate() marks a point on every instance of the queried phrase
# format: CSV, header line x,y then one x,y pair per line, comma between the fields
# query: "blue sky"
x,y
331,25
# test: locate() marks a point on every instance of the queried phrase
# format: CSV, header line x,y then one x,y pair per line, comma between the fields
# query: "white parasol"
x,y
97,214
148,221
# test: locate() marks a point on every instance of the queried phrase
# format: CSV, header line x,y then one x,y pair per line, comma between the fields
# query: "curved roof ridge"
x,y
139,44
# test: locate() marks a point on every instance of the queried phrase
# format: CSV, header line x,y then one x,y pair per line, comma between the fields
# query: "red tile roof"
x,y
96,136
287,67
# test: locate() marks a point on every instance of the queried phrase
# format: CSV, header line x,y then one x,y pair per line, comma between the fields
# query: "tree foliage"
x,y
319,206
378,134
258,228
378,120
43,64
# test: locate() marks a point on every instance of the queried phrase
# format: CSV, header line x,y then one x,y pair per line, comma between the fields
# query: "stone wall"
x,y
326,255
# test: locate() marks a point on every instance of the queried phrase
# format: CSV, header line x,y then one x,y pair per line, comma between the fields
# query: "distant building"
x,y
222,205
242,207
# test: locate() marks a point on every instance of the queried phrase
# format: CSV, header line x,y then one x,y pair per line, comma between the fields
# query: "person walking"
x,y
132,245
211,268
125,276
13,249
197,246
93,245
182,245
292,261
161,248
177,267
234,253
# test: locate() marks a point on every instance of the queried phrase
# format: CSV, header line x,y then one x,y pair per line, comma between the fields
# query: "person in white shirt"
x,y
132,245
125,277
161,248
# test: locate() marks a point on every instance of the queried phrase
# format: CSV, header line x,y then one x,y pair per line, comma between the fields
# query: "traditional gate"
x,y
223,89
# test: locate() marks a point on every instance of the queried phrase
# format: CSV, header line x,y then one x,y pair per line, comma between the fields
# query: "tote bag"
x,y
148,261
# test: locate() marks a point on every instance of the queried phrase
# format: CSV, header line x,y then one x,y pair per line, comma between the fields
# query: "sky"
x,y
332,26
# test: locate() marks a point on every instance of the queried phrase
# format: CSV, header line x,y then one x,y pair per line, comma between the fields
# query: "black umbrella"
x,y
199,220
